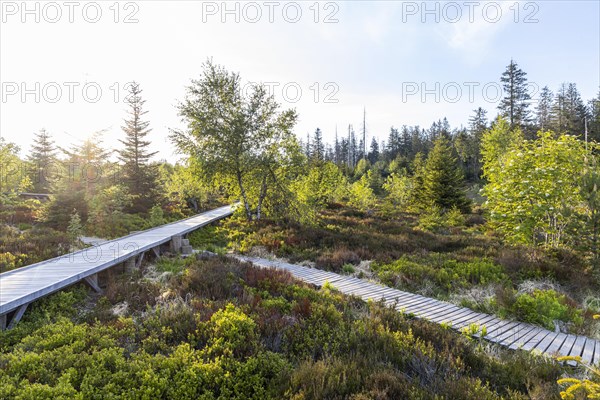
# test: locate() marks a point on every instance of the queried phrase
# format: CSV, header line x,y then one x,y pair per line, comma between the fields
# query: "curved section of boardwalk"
x,y
24,285
506,333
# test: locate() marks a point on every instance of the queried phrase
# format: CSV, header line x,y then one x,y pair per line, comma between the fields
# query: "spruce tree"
x,y
42,158
443,179
544,109
139,176
568,112
317,147
515,104
374,152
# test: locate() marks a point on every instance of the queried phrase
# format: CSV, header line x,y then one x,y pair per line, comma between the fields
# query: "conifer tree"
x,y
443,179
544,109
42,158
317,148
374,152
515,104
138,175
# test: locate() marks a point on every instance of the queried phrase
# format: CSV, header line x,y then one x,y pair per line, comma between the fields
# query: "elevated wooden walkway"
x,y
511,334
20,287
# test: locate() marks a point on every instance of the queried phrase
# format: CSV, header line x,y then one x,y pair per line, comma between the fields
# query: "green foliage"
x,y
361,195
322,185
18,249
543,307
138,175
58,211
496,143
446,274
399,188
187,185
435,220
75,229
534,196
267,337
244,138
108,217
442,180
10,166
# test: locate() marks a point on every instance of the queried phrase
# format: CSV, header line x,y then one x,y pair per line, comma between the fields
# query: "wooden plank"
x,y
509,340
544,343
596,360
565,349
577,348
471,318
450,317
420,305
440,310
500,330
534,339
588,351
556,344
513,333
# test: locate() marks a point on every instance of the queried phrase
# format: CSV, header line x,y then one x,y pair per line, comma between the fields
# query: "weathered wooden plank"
x,y
512,334
467,318
566,347
449,317
440,310
542,335
492,334
588,351
530,339
508,340
556,344
577,348
543,344
596,360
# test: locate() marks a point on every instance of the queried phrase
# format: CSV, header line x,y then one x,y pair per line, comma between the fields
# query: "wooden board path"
x,y
510,334
20,287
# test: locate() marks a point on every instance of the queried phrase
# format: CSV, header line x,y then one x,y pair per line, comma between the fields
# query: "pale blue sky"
x,y
372,57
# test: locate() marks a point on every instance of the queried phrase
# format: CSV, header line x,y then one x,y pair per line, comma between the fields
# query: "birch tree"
x,y
239,135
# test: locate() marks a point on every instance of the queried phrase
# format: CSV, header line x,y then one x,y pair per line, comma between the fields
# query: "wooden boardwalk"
x,y
21,286
511,334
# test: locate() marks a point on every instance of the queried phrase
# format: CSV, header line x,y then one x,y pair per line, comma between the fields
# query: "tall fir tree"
x,y
374,151
568,112
42,158
442,179
478,123
139,176
317,148
544,109
514,106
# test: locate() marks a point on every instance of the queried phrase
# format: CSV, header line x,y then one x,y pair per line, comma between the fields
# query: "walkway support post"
x,y
176,243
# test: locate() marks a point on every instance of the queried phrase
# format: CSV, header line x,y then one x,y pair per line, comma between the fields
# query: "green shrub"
x,y
447,274
543,307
